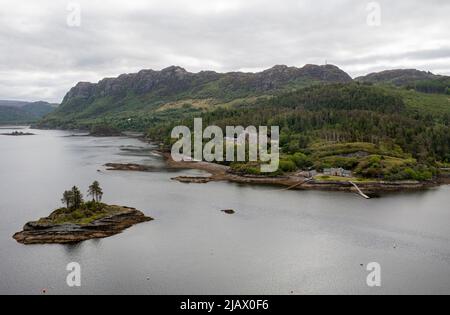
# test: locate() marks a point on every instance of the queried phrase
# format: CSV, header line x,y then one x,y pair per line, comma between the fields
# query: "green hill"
x,y
12,112
410,79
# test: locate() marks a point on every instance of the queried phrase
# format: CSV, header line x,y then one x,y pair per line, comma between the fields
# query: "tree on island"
x,y
77,198
67,199
73,199
95,191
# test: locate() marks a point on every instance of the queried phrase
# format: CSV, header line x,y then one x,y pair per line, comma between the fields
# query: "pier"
x,y
360,191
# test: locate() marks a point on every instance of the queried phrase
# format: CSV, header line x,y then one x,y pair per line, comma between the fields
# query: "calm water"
x,y
278,242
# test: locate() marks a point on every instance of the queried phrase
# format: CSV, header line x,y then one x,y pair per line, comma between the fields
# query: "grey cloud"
x,y
41,57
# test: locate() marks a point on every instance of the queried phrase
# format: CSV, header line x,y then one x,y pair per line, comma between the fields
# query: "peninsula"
x,y
286,181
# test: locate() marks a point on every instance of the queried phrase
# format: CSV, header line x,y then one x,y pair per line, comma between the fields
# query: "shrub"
x,y
301,160
288,166
77,215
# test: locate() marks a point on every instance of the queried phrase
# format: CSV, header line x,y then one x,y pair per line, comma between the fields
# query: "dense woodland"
x,y
406,144
431,86
391,125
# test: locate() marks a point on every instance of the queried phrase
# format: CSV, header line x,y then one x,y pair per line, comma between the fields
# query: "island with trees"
x,y
80,220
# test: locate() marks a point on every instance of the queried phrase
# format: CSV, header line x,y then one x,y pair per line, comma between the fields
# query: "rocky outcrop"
x,y
193,179
175,83
42,232
229,211
83,90
129,167
175,79
18,134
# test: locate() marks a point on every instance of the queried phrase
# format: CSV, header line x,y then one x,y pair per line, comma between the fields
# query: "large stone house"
x,y
339,172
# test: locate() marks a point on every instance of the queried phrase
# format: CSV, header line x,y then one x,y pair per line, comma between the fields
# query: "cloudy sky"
x,y
44,52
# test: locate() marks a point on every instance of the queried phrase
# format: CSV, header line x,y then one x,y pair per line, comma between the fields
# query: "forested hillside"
x,y
12,112
378,125
371,130
411,79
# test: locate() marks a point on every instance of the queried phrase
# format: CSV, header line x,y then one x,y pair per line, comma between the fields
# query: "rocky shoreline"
x,y
40,232
222,173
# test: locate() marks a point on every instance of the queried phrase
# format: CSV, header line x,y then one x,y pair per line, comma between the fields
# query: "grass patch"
x,y
435,104
326,178
89,213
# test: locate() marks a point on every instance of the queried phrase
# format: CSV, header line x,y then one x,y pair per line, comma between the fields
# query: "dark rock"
x,y
229,211
129,167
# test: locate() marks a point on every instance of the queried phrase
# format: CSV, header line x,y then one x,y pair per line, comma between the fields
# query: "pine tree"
x,y
95,191
77,198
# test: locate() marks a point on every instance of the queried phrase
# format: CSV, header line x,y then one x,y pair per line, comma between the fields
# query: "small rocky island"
x,y
80,221
18,134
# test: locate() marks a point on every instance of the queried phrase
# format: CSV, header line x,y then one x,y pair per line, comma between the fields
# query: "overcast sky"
x,y
42,55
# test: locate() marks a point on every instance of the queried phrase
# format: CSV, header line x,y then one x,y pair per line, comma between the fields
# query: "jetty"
x,y
359,191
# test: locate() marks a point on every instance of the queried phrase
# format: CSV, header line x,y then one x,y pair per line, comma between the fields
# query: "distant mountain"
x,y
14,112
175,87
39,109
421,81
13,103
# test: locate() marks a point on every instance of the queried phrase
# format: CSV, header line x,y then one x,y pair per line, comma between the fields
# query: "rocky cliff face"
x,y
148,91
176,80
83,90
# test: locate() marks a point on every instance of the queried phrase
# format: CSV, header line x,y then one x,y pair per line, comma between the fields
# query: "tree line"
x,y
73,198
336,113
